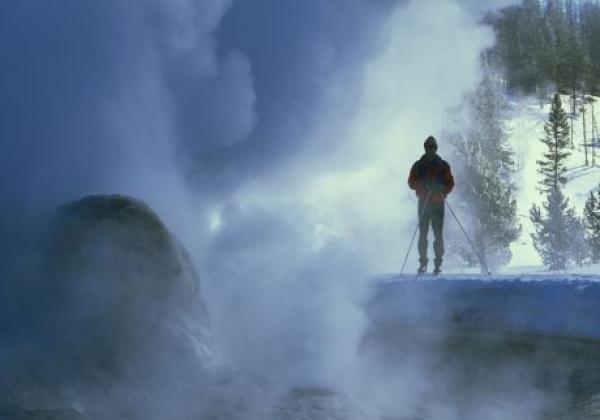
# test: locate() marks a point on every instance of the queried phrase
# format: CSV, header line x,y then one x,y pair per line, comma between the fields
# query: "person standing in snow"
x,y
432,180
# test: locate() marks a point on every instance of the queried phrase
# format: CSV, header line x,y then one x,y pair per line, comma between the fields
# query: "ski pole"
x,y
415,232
483,264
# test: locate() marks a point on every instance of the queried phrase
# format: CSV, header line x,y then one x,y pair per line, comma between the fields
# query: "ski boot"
x,y
422,268
438,268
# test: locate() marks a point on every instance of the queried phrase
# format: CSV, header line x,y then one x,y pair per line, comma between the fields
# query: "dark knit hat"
x,y
431,141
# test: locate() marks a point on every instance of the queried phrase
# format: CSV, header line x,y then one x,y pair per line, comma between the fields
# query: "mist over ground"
x,y
273,138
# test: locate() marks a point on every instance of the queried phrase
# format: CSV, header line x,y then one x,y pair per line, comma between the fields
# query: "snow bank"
x,y
559,305
505,347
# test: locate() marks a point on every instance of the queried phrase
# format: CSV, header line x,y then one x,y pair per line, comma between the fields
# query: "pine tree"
x,y
556,22
549,42
547,52
590,34
530,26
488,129
556,139
574,62
580,250
570,12
486,191
557,231
518,32
591,216
487,202
498,224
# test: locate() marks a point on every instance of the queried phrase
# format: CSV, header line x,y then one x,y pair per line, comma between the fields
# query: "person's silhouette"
x,y
432,180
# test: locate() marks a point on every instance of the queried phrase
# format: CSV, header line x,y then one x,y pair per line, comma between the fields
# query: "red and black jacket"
x,y
431,175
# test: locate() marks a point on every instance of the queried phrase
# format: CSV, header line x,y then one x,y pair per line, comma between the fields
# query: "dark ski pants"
x,y
434,215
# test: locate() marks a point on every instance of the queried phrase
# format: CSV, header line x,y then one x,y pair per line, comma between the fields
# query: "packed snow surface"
x,y
564,305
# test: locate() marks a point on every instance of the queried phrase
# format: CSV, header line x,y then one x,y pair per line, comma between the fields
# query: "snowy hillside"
x,y
526,124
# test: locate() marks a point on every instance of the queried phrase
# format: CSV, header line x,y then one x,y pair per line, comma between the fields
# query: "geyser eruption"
x,y
274,143
112,324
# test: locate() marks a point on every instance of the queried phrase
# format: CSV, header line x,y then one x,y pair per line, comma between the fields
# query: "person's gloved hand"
x,y
433,186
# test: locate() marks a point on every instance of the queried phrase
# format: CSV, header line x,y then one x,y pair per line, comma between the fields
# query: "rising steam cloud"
x,y
273,137
151,97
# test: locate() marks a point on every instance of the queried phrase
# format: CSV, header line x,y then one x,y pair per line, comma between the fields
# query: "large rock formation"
x,y
112,320
119,280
